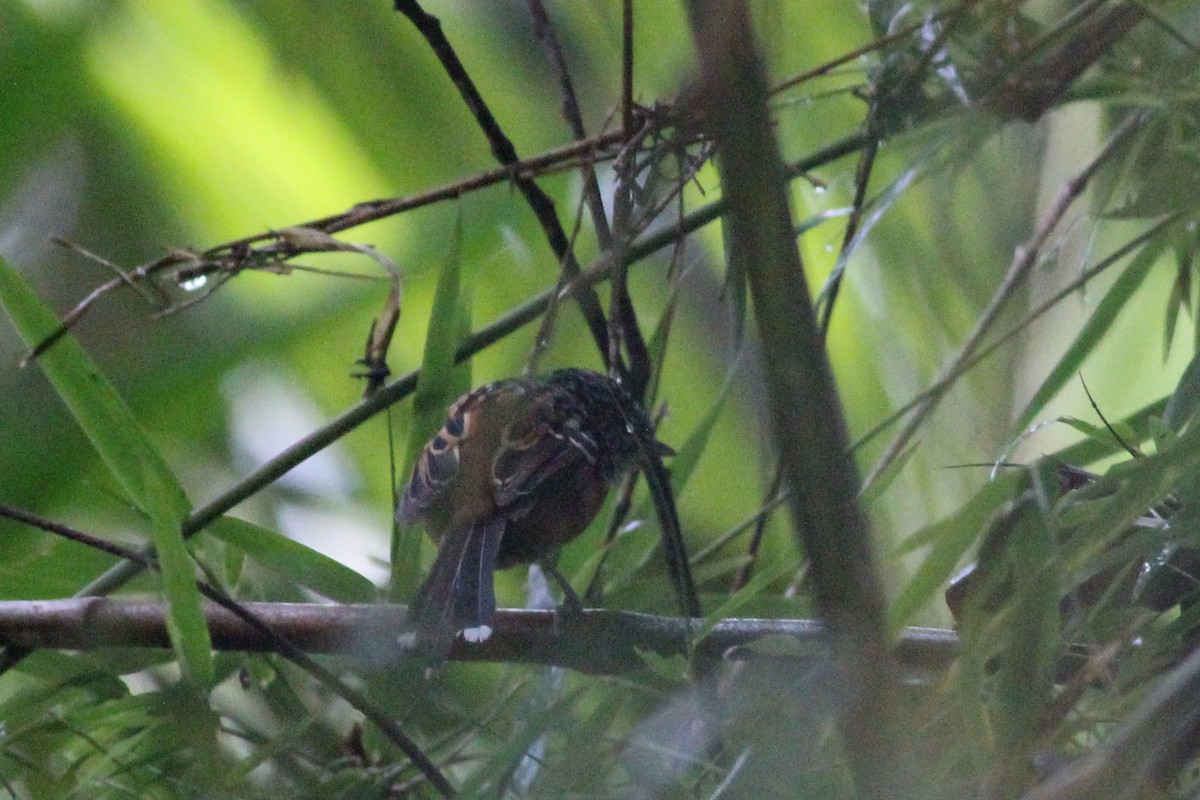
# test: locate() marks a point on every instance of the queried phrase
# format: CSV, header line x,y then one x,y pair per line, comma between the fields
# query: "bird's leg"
x,y
572,606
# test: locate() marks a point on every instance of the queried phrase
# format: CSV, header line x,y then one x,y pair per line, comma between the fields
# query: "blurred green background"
x,y
132,128
135,129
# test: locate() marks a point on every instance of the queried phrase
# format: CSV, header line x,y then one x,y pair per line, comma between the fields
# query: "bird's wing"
x,y
541,443
437,465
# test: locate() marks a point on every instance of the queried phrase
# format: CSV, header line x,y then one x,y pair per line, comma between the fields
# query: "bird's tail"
x,y
458,595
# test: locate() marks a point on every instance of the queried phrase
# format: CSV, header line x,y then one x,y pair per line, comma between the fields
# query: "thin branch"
x,y
502,148
1108,425
942,385
572,114
627,67
775,495
238,254
81,612
1045,70
1024,259
622,326
862,178
403,386
597,642
374,358
853,55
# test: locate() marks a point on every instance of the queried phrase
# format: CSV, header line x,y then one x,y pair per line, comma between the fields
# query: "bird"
x,y
519,468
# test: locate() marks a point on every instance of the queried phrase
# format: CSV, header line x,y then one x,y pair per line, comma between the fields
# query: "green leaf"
x,y
880,485
754,587
1180,298
657,345
687,456
1089,450
673,669
306,566
1025,682
132,460
875,209
440,383
950,539
1094,329
735,282
1101,434
1182,405
1104,510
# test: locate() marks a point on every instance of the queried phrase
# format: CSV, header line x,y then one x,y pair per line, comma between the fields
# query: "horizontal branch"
x,y
597,642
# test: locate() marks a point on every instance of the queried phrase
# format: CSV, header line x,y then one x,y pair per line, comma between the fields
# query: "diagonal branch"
x,y
1025,258
502,148
400,388
35,620
243,253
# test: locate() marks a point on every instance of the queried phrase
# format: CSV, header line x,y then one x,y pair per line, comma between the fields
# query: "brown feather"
x,y
519,468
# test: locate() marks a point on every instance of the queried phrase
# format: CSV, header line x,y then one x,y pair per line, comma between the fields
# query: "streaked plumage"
x,y
519,468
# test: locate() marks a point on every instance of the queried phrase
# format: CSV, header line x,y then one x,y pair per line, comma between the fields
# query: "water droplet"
x,y
194,283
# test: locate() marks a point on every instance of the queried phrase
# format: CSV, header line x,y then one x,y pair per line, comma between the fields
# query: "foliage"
x,y
990,200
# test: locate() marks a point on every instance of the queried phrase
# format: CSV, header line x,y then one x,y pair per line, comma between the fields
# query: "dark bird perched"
x,y
519,468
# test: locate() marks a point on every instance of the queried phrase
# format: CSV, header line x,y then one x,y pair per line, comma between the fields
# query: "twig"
x,y
384,326
572,114
502,148
1108,425
235,254
622,325
88,623
853,55
940,386
1024,258
774,495
550,316
627,67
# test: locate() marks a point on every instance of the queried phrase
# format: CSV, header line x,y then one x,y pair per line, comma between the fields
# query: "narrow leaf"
x,y
306,566
950,539
1093,331
687,456
1025,682
131,459
440,383
1185,398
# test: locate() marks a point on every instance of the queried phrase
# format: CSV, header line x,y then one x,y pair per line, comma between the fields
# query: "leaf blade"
x,y
1093,330
306,566
129,456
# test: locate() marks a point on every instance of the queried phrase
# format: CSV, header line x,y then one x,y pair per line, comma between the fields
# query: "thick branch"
x,y
809,428
598,642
